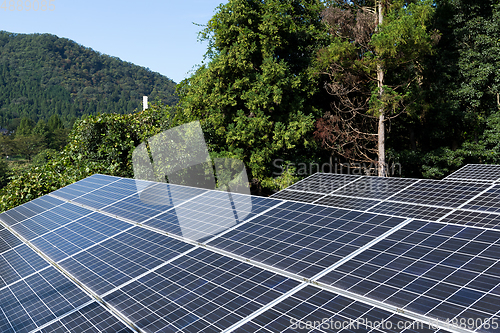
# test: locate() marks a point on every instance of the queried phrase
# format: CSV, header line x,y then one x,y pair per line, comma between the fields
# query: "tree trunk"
x,y
382,172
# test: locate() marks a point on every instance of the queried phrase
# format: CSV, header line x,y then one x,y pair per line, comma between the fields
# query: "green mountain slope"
x,y
42,75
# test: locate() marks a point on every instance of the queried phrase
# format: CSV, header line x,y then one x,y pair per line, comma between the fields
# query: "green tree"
x,y
373,65
257,97
25,128
4,173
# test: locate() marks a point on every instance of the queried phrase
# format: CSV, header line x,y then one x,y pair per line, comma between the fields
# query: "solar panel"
x,y
347,202
200,291
440,193
303,239
480,172
437,270
91,318
317,310
420,212
473,219
170,258
323,182
298,196
486,202
375,187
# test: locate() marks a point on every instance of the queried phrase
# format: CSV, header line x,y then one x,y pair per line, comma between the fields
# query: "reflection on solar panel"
x,y
482,172
108,254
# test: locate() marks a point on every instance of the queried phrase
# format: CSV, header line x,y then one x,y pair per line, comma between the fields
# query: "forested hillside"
x,y
42,75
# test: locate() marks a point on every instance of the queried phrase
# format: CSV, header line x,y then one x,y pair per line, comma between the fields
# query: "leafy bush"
x,y
97,144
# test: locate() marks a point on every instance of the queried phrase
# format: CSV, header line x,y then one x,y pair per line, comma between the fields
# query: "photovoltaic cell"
x,y
486,202
209,214
84,186
441,271
440,193
76,236
347,202
117,260
152,201
410,211
473,219
37,300
375,187
29,209
92,318
109,194
304,239
315,310
323,182
7,240
483,172
199,292
19,263
298,196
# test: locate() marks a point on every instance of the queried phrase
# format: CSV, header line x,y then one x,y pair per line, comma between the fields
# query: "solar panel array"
x,y
331,253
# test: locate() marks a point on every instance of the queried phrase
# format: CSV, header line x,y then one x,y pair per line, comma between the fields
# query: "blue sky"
x,y
156,34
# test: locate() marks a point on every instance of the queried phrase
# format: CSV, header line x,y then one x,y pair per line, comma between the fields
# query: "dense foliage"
x,y
97,144
257,97
42,75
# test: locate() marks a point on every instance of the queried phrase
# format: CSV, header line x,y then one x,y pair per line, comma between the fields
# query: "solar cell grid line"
x,y
324,183
200,292
436,270
29,209
110,193
38,299
209,214
293,195
481,172
312,309
447,194
19,263
49,220
303,239
84,186
89,318
346,202
421,212
473,219
122,258
375,187
489,201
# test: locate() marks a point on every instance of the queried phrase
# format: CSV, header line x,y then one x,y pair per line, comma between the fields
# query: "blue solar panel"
x,y
410,210
347,202
486,202
92,318
121,258
201,291
304,239
37,300
314,310
29,209
438,270
209,214
84,186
